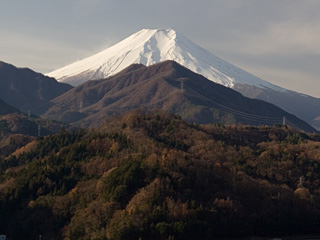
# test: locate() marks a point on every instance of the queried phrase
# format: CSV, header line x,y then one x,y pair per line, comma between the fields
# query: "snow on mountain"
x,y
150,46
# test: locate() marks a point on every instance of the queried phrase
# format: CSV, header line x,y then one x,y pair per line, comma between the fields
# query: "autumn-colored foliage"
x,y
153,176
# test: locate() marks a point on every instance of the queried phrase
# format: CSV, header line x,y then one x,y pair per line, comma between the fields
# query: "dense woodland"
x,y
154,176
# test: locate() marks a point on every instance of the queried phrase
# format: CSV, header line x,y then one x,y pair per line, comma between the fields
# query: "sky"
x,y
276,40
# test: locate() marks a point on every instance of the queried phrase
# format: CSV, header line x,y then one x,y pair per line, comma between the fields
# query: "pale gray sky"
x,y
276,40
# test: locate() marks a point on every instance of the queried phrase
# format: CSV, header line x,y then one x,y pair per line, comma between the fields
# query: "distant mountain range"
x,y
27,90
121,81
150,46
167,86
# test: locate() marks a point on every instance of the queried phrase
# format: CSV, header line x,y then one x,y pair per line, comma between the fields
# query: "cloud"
x,y
286,37
265,27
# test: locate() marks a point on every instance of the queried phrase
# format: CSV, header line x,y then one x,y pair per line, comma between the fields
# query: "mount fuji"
x,y
150,46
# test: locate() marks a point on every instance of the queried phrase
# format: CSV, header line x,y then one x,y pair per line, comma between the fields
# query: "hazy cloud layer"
x,y
275,40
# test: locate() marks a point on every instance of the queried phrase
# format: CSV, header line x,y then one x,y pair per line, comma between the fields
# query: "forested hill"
x,y
153,176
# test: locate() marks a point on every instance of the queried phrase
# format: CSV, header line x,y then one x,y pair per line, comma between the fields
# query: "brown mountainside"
x,y
167,86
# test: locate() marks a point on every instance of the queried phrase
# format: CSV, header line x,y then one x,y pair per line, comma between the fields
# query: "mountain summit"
x,y
150,46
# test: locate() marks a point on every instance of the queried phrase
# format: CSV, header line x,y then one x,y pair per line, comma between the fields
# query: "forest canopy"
x,y
153,176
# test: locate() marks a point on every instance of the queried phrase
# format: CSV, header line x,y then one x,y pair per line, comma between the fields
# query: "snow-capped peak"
x,y
150,46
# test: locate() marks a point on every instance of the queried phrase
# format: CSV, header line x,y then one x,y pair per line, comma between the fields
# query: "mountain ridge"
x,y
160,87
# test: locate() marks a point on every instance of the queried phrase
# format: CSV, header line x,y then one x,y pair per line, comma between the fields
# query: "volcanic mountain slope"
x,y
167,86
150,46
27,90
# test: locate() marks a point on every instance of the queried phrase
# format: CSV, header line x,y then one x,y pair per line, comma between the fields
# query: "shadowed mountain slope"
x,y
27,90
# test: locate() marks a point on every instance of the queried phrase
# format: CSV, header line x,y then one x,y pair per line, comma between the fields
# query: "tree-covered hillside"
x,y
17,130
153,176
